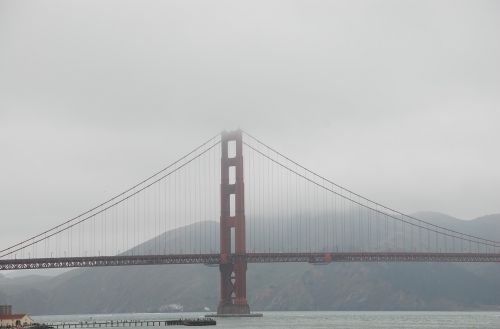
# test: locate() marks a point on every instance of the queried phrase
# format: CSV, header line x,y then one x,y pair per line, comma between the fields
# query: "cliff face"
x,y
338,286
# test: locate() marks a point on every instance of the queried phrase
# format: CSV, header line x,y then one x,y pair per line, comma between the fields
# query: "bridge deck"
x,y
214,259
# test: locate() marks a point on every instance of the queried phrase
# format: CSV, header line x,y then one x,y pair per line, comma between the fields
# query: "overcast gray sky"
x,y
398,100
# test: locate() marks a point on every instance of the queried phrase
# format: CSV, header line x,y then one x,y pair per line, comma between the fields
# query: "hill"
x,y
338,286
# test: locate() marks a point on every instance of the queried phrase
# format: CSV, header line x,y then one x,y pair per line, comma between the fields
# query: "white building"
x,y
7,319
12,320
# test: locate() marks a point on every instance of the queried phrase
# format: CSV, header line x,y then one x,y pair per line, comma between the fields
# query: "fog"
x,y
396,100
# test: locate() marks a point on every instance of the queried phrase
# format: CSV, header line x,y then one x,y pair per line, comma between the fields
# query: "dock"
x,y
132,323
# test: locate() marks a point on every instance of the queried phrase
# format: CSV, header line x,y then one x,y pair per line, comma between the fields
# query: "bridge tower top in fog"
x,y
232,222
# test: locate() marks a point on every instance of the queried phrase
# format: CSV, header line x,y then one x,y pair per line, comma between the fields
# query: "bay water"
x,y
340,320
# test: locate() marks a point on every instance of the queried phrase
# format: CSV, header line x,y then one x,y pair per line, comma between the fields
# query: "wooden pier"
x,y
132,323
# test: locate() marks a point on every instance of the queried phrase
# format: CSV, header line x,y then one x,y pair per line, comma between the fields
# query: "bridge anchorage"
x,y
232,201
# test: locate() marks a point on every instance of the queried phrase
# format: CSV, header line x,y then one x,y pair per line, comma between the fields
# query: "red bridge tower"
x,y
233,263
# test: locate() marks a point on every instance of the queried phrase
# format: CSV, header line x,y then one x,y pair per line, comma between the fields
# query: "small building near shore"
x,y
14,320
7,319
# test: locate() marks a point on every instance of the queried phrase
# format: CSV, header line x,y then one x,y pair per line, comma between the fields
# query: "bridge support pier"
x,y
232,281
233,262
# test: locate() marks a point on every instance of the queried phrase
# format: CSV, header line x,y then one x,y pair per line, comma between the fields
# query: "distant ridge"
x,y
338,286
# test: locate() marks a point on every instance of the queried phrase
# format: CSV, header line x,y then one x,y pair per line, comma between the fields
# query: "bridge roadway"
x,y
214,259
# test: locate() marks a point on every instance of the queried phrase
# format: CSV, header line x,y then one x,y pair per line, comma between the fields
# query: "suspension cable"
x,y
493,244
112,199
365,198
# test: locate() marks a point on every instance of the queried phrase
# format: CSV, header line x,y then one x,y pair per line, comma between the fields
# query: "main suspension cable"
x,y
460,235
22,243
365,198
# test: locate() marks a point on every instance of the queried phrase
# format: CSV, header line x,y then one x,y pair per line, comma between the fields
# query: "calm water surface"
x,y
341,320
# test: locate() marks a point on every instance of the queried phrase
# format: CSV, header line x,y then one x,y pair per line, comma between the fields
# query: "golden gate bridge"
x,y
269,209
